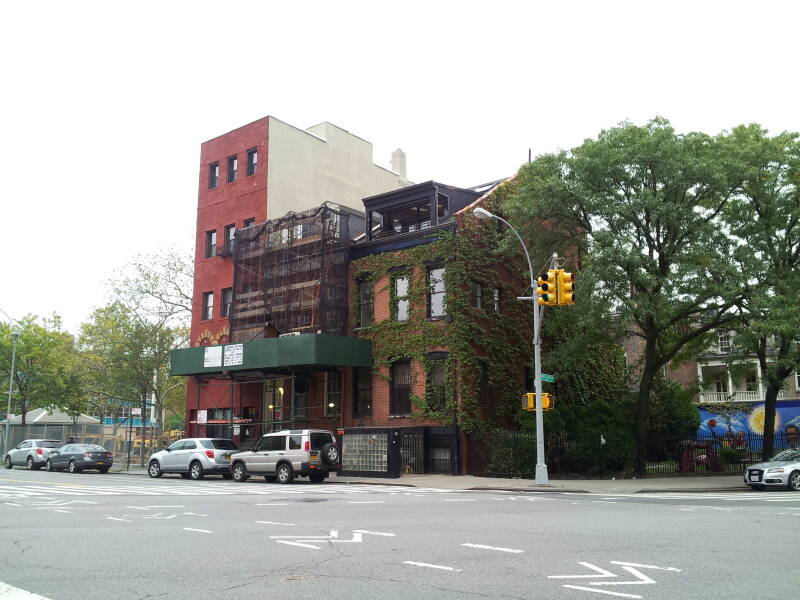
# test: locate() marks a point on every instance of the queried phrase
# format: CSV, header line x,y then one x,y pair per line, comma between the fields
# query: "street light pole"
x,y
14,336
541,466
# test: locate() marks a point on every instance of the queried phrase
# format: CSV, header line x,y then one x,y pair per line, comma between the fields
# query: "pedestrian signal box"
x,y
529,401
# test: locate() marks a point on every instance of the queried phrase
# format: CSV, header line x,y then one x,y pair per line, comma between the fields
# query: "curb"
x,y
692,490
528,490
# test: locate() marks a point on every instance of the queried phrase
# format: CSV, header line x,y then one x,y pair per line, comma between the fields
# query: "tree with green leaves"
x,y
42,374
764,220
645,204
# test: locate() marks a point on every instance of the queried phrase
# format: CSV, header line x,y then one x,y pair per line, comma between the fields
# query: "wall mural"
x,y
751,420
209,338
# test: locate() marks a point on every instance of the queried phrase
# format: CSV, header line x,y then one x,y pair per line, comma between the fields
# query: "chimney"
x,y
399,162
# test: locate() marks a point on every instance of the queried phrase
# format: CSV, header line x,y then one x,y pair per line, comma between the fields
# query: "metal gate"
x,y
412,451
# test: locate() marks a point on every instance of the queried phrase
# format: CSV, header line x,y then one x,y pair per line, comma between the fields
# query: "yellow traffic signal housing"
x,y
565,288
529,401
548,288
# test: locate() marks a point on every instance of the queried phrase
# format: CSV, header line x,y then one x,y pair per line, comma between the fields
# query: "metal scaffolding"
x,y
290,274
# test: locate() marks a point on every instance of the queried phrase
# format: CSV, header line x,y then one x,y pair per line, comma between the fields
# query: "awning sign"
x,y
234,355
212,356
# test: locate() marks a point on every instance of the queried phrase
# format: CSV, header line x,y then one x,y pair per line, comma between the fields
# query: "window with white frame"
x,y
724,341
333,394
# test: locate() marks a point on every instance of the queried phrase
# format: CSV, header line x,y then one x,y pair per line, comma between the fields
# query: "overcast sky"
x,y
105,104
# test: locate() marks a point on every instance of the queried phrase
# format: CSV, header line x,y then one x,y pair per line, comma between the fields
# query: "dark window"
x,y
211,243
436,297
230,237
412,218
441,206
49,444
233,168
295,442
333,394
219,444
227,301
487,392
276,442
436,384
475,294
362,400
400,402
318,440
365,303
208,305
249,223
400,292
213,175
496,299
252,161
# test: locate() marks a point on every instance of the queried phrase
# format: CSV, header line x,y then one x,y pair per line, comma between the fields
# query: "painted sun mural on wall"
x,y
209,338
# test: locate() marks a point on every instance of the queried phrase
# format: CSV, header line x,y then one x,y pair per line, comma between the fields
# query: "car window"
x,y
49,444
277,442
66,449
787,455
94,448
219,444
177,445
319,439
25,444
189,445
295,442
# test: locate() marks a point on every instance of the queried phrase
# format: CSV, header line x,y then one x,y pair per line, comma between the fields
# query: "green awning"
x,y
306,350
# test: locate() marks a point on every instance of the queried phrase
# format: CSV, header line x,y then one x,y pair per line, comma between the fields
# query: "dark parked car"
x,y
79,457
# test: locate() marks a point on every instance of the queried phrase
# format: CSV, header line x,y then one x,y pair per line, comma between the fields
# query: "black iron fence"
x,y
603,456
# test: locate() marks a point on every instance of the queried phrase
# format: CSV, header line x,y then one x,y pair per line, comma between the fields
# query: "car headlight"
x,y
780,470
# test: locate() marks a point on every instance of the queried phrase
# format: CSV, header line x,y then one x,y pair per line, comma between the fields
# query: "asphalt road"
x,y
92,536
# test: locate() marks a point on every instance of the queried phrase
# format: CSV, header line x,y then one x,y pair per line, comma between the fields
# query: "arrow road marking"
x,y
585,589
197,530
298,544
641,579
602,573
630,564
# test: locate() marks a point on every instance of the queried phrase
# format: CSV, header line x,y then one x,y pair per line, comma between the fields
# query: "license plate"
x,y
100,462
227,457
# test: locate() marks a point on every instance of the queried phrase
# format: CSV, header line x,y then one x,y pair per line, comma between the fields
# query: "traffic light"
x,y
529,401
547,291
565,287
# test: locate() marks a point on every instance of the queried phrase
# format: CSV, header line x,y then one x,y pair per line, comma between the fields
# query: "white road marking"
x,y
641,578
11,504
275,504
430,566
374,532
602,502
370,502
481,546
461,500
630,564
118,519
276,523
163,506
14,593
138,507
197,530
595,590
297,544
62,511
602,573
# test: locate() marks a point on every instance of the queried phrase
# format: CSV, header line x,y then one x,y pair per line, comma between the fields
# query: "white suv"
x,y
194,458
284,455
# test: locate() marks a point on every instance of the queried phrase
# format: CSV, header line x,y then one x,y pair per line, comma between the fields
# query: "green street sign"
x,y
548,378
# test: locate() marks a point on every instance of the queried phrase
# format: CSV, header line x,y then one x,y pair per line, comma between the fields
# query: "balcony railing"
x,y
738,396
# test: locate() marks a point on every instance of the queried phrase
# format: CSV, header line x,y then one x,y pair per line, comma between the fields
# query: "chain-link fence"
x,y
128,444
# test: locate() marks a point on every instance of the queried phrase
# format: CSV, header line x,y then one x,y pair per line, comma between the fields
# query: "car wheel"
x,y
196,471
285,473
30,464
49,465
330,454
794,481
317,477
239,473
154,469
8,463
73,468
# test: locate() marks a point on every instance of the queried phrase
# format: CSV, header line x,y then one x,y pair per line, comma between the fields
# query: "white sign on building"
x,y
212,356
234,355
202,416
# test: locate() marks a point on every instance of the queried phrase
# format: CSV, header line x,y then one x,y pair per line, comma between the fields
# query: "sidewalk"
x,y
731,483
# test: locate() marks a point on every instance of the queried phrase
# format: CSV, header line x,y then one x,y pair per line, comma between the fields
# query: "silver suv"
x,y
287,454
194,458
31,453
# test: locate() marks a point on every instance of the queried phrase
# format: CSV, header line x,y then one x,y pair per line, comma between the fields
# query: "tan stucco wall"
x,y
322,164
